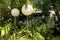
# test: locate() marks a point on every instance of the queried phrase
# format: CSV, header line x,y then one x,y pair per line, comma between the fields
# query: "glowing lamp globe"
x,y
27,10
15,12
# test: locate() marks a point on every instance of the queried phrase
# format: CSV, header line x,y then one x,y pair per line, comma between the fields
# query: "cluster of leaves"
x,y
5,29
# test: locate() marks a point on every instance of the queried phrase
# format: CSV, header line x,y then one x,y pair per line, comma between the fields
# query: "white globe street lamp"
x,y
15,12
27,10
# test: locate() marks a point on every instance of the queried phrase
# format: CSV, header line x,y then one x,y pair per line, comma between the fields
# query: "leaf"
x,y
5,29
2,31
39,36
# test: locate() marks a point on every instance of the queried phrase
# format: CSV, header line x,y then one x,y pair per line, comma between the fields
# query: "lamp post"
x,y
15,12
27,10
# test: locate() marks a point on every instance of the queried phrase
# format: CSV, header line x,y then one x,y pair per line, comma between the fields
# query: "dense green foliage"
x,y
39,28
